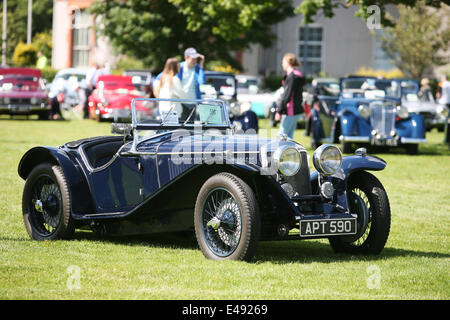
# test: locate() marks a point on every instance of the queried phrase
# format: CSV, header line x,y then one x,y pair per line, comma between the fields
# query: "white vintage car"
x,y
433,113
252,97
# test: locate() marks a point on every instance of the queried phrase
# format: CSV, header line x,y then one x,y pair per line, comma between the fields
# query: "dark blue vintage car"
x,y
164,173
368,112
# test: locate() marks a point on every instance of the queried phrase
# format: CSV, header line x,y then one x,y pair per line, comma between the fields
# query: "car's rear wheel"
x,y
226,219
46,204
368,199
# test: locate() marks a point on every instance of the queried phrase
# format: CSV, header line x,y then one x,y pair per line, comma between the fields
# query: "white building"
x,y
335,46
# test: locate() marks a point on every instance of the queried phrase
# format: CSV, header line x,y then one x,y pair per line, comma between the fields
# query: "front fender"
x,y
354,163
81,199
412,127
352,124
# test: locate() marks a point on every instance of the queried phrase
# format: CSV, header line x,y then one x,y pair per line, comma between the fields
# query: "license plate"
x,y
121,113
20,108
384,142
327,227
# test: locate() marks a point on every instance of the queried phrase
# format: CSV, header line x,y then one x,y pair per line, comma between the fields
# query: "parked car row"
x,y
354,111
371,111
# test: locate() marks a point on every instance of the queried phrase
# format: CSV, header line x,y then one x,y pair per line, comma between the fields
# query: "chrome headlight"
x,y
327,159
402,112
364,111
34,100
288,160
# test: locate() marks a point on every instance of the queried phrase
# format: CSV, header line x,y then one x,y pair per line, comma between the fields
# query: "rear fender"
x,y
79,190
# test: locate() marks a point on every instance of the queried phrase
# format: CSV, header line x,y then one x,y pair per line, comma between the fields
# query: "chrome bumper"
x,y
23,109
354,139
404,140
390,141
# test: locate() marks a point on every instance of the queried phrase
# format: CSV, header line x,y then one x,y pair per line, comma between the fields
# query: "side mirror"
x,y
121,128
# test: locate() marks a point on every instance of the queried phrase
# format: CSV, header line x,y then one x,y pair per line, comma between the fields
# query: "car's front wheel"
x,y
46,204
368,199
227,221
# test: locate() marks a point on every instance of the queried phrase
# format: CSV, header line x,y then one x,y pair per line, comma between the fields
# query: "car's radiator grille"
x,y
382,118
20,101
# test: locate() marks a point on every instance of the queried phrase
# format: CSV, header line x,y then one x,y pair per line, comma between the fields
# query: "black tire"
x,y
346,147
412,148
372,233
50,219
243,226
44,115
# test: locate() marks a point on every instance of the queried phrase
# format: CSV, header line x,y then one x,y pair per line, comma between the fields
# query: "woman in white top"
x,y
170,87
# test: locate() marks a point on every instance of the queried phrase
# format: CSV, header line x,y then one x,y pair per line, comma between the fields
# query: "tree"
x,y
310,8
25,55
419,40
153,30
17,21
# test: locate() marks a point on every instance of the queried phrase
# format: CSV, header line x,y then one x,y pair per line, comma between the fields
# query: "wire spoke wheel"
x,y
359,204
46,205
221,222
368,199
226,218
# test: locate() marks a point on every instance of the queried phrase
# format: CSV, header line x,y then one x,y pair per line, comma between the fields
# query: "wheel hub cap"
x,y
38,205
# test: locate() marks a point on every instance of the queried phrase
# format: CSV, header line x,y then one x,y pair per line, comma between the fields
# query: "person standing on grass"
x,y
91,82
289,106
192,73
170,86
445,100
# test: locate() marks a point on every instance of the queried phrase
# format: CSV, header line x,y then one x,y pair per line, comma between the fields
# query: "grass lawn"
x,y
414,264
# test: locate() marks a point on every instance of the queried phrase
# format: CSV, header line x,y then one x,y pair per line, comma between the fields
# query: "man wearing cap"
x,y
191,73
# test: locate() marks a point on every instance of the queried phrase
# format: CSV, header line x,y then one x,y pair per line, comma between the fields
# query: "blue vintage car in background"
x,y
368,112
169,171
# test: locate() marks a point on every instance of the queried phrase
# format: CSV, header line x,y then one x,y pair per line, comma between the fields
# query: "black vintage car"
x,y
164,173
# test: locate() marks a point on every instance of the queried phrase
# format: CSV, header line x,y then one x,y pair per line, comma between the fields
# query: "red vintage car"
x,y
111,100
22,91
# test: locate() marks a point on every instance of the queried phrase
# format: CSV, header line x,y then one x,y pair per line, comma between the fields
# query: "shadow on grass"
x,y
280,252
431,149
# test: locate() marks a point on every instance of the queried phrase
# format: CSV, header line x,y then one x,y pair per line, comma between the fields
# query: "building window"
x,y
81,38
310,49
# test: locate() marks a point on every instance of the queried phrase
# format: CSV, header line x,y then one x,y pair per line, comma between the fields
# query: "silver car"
x,y
433,113
69,82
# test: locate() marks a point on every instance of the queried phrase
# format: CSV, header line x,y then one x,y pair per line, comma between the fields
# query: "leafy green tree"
x,y
43,42
25,55
419,40
153,30
17,21
310,8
